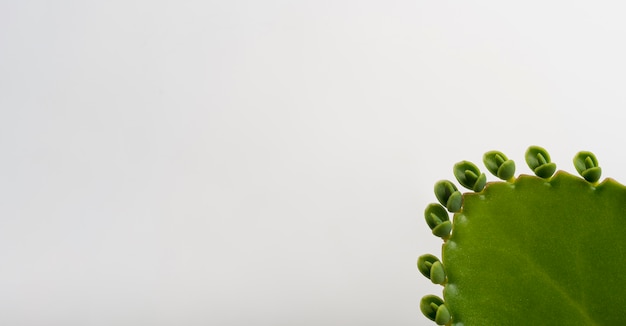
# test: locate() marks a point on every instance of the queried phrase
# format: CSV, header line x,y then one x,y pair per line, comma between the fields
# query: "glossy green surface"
x,y
538,252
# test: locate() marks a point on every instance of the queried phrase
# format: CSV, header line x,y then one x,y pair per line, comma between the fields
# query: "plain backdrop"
x,y
268,162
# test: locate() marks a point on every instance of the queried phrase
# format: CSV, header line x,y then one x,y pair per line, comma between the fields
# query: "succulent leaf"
x,y
425,264
469,176
531,263
438,220
442,316
586,164
448,195
528,251
437,273
431,307
499,165
538,160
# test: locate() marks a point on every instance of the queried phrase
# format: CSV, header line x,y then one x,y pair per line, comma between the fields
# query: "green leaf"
x,y
538,160
469,176
438,220
432,307
448,195
538,252
586,164
499,165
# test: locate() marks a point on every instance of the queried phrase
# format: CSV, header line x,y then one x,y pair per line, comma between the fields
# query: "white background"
x,y
268,162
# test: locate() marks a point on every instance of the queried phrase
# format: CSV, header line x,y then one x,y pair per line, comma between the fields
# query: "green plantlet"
x,y
448,195
543,249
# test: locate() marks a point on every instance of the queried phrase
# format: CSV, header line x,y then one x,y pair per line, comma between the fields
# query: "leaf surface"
x,y
539,252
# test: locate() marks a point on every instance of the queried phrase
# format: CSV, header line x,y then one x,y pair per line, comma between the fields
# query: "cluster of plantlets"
x,y
543,249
